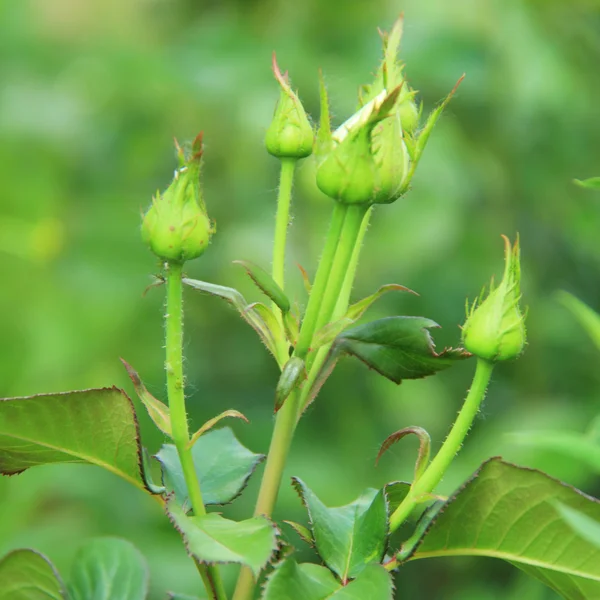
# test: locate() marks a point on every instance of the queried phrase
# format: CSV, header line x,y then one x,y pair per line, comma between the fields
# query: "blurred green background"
x,y
92,94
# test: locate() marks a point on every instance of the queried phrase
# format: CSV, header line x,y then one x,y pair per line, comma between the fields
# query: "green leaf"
x,y
330,331
90,426
573,444
252,317
593,183
291,581
212,539
212,422
304,532
109,569
158,411
222,464
28,575
395,492
266,284
509,512
424,447
584,526
348,537
172,596
397,347
588,318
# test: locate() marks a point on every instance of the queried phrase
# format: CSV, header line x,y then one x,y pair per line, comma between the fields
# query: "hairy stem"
x,y
439,465
321,281
179,425
340,309
282,220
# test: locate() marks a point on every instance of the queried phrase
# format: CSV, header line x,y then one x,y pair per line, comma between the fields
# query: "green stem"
x,y
285,423
340,310
179,425
282,220
320,283
436,470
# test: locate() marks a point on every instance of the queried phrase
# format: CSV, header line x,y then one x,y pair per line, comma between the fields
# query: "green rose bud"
x,y
495,327
290,134
176,227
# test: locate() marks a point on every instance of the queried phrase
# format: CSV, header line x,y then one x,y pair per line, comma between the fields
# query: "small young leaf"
x,y
291,322
239,303
268,317
222,464
28,575
292,375
212,422
173,596
396,347
588,318
109,569
305,279
304,532
266,284
509,512
424,447
584,526
158,411
291,581
212,539
329,332
593,183
395,493
90,426
348,537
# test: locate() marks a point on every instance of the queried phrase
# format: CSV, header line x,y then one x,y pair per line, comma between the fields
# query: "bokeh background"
x,y
92,94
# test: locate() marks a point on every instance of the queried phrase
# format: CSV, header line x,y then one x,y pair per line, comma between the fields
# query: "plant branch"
x,y
179,425
439,465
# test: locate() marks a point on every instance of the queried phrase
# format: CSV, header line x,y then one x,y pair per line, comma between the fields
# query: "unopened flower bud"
x,y
495,328
176,227
290,134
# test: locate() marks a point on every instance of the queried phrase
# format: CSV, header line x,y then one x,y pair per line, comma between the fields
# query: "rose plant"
x,y
516,514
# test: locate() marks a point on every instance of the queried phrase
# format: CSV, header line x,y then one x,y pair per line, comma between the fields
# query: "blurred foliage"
x,y
91,95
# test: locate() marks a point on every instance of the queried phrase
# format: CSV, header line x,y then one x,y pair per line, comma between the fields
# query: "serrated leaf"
x,y
588,318
158,411
593,183
424,447
509,512
329,332
28,575
572,444
266,284
223,467
395,492
293,581
236,414
348,537
213,539
304,532
109,569
98,427
238,301
396,347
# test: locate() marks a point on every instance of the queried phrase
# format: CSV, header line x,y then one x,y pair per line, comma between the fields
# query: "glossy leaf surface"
x,y
28,575
511,513
223,466
109,569
90,426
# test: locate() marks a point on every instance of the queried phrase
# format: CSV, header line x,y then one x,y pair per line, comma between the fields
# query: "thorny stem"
x,y
438,466
179,425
